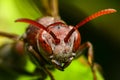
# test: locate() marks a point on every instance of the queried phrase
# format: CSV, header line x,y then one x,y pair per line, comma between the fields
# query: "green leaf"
x,y
78,70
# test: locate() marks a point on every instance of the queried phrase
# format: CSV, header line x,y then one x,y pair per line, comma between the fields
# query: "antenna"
x,y
36,24
93,16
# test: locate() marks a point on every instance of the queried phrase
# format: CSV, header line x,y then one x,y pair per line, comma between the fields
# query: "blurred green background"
x,y
103,32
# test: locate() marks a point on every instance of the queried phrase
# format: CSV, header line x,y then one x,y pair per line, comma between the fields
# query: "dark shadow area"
x,y
106,50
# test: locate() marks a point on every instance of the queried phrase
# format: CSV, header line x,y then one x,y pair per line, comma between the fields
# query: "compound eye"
x,y
77,41
46,47
43,44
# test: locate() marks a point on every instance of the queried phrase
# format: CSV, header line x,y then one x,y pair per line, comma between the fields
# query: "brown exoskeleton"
x,y
53,43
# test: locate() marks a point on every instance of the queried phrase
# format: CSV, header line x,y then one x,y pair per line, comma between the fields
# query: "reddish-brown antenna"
x,y
32,22
93,16
36,24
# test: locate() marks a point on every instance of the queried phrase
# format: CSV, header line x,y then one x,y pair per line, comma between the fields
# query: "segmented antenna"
x,y
93,16
36,24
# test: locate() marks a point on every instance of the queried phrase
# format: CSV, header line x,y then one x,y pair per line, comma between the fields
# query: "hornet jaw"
x,y
61,63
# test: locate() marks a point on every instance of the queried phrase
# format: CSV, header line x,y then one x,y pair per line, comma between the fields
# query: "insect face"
x,y
62,53
51,41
